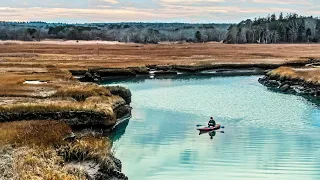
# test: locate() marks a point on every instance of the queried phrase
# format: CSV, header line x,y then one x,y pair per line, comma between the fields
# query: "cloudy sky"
x,y
194,11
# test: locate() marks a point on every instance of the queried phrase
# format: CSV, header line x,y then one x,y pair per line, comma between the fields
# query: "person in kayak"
x,y
212,122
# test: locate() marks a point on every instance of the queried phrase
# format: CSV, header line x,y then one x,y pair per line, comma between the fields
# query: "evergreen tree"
x,y
281,16
273,17
198,36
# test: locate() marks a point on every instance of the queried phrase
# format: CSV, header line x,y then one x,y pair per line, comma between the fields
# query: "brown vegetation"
x,y
311,75
34,156
82,92
51,62
79,94
33,133
93,148
41,151
34,163
86,56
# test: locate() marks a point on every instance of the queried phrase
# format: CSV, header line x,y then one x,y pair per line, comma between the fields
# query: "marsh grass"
x,y
310,75
88,147
12,83
34,156
35,163
41,133
93,148
128,55
40,151
82,92
92,104
44,107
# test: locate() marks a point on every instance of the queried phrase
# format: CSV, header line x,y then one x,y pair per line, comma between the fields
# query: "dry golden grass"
x,y
33,133
41,152
88,147
12,82
44,107
34,163
60,107
41,163
93,148
51,62
311,75
92,103
126,55
81,92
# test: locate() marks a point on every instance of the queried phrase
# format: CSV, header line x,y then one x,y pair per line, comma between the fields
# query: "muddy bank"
x,y
290,85
99,74
99,169
72,118
6,163
123,92
77,119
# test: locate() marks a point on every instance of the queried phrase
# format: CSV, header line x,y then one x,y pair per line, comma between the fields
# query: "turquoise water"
x,y
268,135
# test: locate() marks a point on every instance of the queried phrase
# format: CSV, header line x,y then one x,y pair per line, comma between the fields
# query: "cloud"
x,y
111,1
154,10
287,2
93,15
190,1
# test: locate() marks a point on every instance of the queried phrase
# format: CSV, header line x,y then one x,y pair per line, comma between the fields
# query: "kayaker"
x,y
211,122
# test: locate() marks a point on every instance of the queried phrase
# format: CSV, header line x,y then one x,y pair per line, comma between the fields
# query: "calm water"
x,y
268,135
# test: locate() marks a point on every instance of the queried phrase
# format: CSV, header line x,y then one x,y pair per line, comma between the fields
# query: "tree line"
x,y
291,28
122,32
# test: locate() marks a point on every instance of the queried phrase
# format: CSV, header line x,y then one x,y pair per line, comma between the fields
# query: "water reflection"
x,y
119,130
178,77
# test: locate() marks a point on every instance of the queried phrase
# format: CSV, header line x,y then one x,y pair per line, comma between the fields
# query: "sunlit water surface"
x,y
268,135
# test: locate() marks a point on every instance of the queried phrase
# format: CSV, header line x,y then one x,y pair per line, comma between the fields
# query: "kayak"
x,y
207,129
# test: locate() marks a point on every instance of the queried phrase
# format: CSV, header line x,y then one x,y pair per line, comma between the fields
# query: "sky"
x,y
189,11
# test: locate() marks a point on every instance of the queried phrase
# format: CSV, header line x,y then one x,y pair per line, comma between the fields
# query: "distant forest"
x,y
122,32
291,28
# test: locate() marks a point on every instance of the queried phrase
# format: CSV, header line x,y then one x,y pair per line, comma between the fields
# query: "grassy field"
x,y
50,62
123,55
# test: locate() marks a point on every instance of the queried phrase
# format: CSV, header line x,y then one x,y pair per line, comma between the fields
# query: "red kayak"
x,y
207,129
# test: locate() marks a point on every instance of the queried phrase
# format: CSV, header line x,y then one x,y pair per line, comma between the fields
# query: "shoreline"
x,y
288,80
101,74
